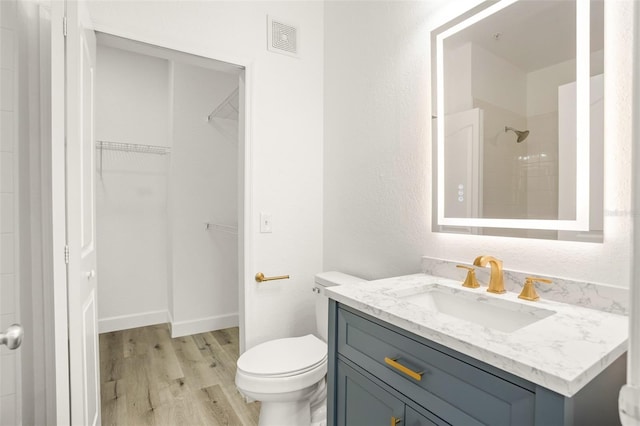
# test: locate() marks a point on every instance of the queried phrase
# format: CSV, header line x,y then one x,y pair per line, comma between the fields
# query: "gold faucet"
x,y
529,290
496,281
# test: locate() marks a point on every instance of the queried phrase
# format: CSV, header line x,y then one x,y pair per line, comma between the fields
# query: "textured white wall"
x,y
203,184
286,137
376,116
132,106
377,167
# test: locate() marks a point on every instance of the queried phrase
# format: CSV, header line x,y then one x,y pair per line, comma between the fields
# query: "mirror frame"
x,y
583,52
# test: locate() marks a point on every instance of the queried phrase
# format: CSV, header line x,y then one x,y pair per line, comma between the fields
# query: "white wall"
x,y
285,137
458,78
26,391
377,171
9,201
376,197
498,81
133,103
132,106
204,188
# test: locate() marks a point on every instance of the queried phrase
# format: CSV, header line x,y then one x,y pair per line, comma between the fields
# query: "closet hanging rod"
x,y
132,147
224,228
225,104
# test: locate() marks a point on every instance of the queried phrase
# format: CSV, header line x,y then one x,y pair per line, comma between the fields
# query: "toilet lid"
x,y
283,357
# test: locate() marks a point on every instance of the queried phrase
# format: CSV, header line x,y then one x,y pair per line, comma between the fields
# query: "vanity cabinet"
x,y
380,374
361,401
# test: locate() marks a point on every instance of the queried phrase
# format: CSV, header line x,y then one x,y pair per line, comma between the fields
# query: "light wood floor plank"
x,y
111,356
223,365
114,403
178,407
248,412
142,397
198,371
228,340
135,341
147,378
215,407
163,362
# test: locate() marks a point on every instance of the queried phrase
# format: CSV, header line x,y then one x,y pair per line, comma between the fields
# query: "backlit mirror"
x,y
519,120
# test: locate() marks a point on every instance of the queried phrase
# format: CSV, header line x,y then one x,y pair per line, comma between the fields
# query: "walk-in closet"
x,y
166,189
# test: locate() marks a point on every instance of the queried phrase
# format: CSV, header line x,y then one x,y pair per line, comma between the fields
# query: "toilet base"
x,y
297,408
289,413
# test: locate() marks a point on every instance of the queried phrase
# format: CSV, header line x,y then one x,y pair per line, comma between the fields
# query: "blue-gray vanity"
x,y
395,362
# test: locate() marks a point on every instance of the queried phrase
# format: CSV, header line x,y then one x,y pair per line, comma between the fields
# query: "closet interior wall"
x,y
156,261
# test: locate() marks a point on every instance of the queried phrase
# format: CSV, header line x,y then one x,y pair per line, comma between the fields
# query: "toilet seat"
x,y
284,357
282,366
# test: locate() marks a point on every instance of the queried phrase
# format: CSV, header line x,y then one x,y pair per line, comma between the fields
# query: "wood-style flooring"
x,y
148,378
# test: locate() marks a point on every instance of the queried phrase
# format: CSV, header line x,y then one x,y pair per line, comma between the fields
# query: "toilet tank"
x,y
322,281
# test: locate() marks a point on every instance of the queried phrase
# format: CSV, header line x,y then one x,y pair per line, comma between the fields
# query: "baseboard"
x,y
202,325
125,322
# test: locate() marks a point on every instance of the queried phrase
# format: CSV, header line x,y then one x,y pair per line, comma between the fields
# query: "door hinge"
x,y
64,26
66,254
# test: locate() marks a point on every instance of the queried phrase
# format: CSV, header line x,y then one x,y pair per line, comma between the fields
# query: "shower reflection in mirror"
x,y
519,120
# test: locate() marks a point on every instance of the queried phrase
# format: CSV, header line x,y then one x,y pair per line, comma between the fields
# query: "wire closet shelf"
x,y
132,147
129,147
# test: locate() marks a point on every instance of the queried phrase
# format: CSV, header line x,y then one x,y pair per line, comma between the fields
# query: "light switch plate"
x,y
265,222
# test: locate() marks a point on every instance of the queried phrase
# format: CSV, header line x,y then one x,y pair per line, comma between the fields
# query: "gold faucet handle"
x,y
470,281
529,289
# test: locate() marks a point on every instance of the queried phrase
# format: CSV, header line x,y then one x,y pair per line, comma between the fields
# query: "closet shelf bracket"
x,y
228,108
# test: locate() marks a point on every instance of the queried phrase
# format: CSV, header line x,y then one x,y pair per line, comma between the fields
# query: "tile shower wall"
x,y
8,203
520,179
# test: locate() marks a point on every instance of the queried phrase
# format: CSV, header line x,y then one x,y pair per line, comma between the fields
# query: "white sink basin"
x,y
474,307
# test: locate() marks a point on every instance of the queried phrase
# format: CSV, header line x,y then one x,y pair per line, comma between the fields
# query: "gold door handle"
x,y
409,372
395,420
260,277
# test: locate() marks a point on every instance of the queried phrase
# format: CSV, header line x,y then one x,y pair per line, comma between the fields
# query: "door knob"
x,y
91,274
12,336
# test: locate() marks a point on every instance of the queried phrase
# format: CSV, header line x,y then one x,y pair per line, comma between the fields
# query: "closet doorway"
x,y
169,188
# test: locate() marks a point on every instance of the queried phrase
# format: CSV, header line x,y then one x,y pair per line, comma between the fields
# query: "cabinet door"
x,y
360,402
413,418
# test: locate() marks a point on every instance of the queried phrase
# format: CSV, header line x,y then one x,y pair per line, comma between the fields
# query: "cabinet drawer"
x,y
457,391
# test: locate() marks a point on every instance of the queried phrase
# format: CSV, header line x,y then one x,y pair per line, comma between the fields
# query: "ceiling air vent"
x,y
282,38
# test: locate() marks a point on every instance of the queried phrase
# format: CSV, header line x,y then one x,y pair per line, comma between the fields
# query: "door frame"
x,y
245,200
58,216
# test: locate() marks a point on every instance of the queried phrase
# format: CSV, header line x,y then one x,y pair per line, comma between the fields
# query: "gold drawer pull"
x,y
395,421
409,372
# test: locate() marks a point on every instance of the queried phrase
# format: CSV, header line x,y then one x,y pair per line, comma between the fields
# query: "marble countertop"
x,y
561,352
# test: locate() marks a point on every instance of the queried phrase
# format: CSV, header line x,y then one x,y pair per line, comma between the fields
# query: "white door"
x,y
80,216
463,165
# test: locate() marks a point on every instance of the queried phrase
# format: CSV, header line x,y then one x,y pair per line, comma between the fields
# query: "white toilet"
x,y
288,375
